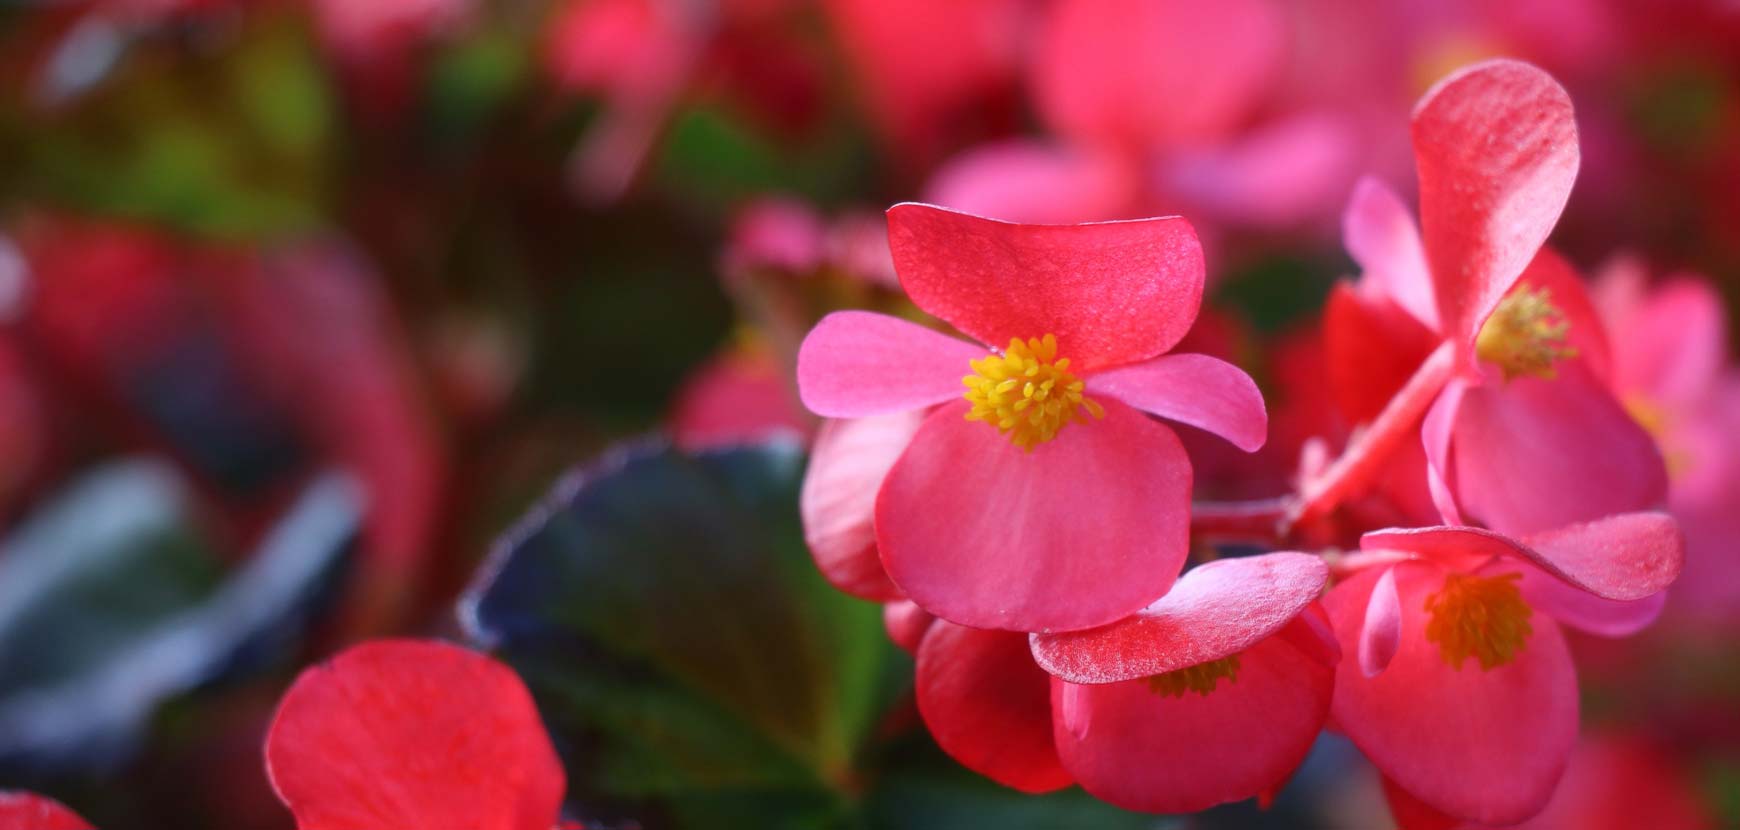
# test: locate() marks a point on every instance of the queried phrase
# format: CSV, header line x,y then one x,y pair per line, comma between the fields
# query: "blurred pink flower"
x,y
29,811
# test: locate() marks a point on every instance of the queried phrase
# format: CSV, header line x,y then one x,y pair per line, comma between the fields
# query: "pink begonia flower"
x,y
1045,499
1669,368
29,811
1519,429
1613,782
1214,693
1450,682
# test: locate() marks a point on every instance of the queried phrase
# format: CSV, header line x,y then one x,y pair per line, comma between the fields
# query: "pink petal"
x,y
1486,746
1584,611
838,500
1283,173
1674,342
1380,234
1532,454
1587,334
1372,347
1435,434
1195,389
1112,292
1033,182
1086,529
858,363
1381,636
1145,751
1623,557
988,706
906,624
1453,547
29,811
413,735
1496,149
1152,74
1215,610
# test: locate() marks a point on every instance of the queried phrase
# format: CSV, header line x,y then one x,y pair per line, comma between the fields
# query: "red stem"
x,y
1241,521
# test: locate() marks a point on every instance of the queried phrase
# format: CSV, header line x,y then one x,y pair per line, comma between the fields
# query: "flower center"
x,y
1480,617
1526,334
1027,392
1200,678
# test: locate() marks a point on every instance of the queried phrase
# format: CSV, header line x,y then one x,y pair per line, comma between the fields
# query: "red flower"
x,y
28,811
1213,693
413,735
1045,500
1452,685
1521,432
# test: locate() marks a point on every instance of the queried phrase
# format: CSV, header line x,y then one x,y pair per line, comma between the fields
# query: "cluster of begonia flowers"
x,y
1026,515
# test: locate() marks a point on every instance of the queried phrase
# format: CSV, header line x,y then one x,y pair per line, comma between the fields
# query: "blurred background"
x,y
304,303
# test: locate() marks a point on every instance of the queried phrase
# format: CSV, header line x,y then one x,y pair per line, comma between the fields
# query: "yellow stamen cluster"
x,y
1200,678
1027,392
1484,617
1526,334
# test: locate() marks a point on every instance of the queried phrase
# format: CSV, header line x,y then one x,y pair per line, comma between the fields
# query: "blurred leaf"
x,y
109,606
931,792
711,156
470,80
666,606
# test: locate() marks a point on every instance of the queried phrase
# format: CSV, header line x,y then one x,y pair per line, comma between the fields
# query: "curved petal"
x,y
1215,610
29,811
1381,635
1586,612
413,735
858,363
1112,292
1533,454
1485,746
1085,529
906,624
1145,751
1451,546
1146,75
1496,149
1435,436
1195,389
838,500
1623,557
988,706
1380,234
1286,171
1411,813
1037,182
1676,339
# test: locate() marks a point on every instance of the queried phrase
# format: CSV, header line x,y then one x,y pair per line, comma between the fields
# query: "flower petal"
x,y
1372,347
1496,149
1624,557
906,624
413,735
838,501
1195,389
1084,530
1112,292
1037,182
1435,435
1146,75
1145,751
1215,610
988,706
1381,236
1381,635
1485,746
1532,454
1584,611
29,811
858,363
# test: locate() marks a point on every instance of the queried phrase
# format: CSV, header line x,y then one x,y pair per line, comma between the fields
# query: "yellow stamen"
x,y
1481,617
1027,392
1200,678
1526,334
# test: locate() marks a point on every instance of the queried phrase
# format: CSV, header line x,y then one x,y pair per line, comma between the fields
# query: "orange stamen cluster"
x,y
1027,392
1484,617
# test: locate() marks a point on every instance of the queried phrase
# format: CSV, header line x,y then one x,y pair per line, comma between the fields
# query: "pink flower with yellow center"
x,y
1455,680
1036,494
